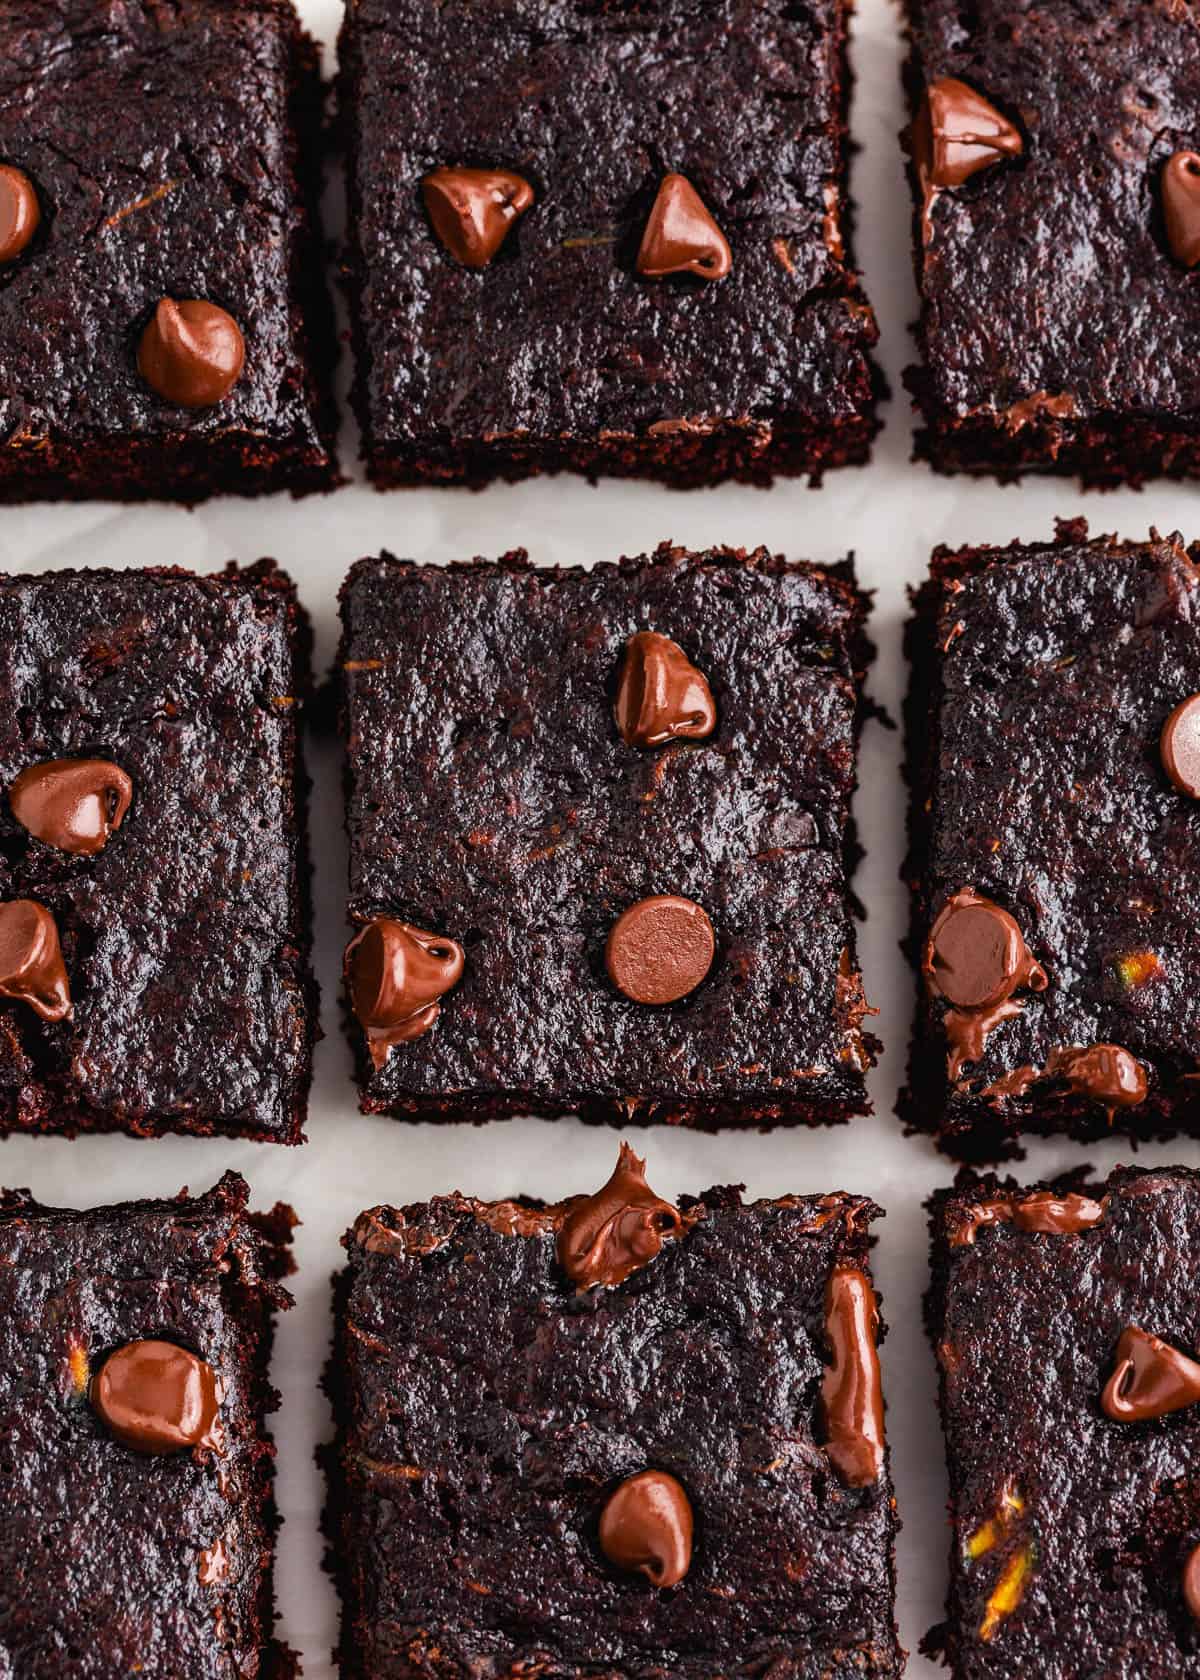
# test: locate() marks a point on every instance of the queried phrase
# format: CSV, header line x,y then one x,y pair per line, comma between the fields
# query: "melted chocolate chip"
x,y
661,695
1103,1072
472,210
73,804
1150,1379
396,973
1181,206
681,236
158,1398
1179,746
191,353
660,949
1191,1583
31,960
20,213
647,1525
852,1388
1042,1212
958,132
976,958
604,1238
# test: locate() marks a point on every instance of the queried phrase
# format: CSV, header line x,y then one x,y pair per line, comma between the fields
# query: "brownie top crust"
x,y
1044,678
119,1561
187,964
591,105
159,136
1049,285
494,801
491,1405
1073,1483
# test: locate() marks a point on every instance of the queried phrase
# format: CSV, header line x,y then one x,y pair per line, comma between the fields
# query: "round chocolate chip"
x,y
660,949
1179,745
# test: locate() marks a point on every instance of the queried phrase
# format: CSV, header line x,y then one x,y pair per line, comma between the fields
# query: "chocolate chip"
x,y
1191,1583
1104,1072
158,1398
852,1387
1179,746
472,210
605,1237
20,212
1181,206
958,132
191,353
659,949
1150,1378
647,1525
976,955
681,236
1041,1212
396,973
74,804
661,695
31,961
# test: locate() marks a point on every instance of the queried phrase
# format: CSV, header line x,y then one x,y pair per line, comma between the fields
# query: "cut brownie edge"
x,y
818,1094
434,1240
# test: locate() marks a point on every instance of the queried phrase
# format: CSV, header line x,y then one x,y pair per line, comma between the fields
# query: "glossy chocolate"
x,y
681,236
1191,1583
473,210
605,1237
852,1388
1179,746
976,958
20,213
957,133
31,960
73,804
191,353
1149,1379
1181,206
1043,1211
158,1398
660,949
396,973
1105,1073
661,696
647,1525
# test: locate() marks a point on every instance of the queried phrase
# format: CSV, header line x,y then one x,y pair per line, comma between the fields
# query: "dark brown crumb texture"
x,y
485,1410
101,1546
491,800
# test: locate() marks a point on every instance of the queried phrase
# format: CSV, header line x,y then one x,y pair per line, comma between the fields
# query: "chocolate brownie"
x,y
1067,1329
1056,224
1054,750
612,1436
605,238
600,838
164,330
138,1531
154,925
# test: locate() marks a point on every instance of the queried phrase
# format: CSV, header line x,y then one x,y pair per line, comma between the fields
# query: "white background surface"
x,y
891,514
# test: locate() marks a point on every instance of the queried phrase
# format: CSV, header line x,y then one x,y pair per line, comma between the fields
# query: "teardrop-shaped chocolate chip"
x,y
605,1237
1149,1379
157,1398
20,213
957,133
647,1525
1181,206
191,353
661,695
681,236
473,210
32,970
396,973
73,804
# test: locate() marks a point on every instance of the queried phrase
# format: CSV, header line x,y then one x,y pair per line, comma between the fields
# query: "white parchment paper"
x,y
891,513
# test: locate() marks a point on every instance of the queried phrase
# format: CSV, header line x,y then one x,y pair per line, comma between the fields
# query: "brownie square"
x,y
1054,862
498,1427
1067,1331
560,352
496,810
1058,311
138,1534
154,969
164,149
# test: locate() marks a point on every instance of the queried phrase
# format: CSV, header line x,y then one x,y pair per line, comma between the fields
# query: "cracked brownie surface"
x,y
168,144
